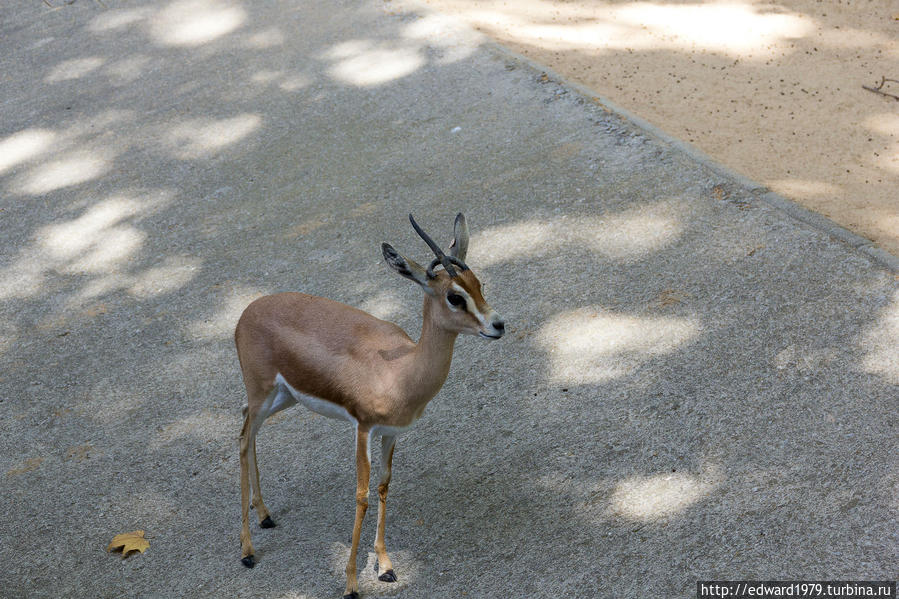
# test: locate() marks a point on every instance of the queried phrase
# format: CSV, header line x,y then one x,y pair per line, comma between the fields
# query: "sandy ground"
x,y
772,90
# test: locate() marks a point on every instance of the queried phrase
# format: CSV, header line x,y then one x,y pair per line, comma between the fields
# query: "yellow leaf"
x,y
128,542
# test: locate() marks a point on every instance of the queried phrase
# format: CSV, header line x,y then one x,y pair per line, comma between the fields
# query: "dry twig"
x,y
879,88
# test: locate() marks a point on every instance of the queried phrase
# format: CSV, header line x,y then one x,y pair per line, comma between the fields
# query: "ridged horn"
x,y
446,261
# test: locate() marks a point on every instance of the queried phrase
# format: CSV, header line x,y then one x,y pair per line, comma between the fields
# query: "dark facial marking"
x,y
456,300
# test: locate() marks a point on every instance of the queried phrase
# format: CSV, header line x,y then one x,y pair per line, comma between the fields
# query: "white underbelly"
x,y
287,396
388,431
284,396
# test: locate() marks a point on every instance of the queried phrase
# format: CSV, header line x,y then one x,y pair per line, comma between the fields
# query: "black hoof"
x,y
388,576
248,561
267,523
353,595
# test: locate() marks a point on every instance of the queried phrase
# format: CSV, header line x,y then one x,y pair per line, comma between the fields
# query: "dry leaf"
x,y
305,228
80,453
671,297
30,464
365,209
95,310
720,192
128,542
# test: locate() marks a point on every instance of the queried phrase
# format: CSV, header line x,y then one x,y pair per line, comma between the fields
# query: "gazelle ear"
x,y
407,268
459,247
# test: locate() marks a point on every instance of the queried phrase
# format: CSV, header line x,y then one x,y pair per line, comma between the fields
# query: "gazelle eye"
x,y
456,300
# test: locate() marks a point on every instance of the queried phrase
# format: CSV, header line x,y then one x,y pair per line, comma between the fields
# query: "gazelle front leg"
x,y
385,567
363,472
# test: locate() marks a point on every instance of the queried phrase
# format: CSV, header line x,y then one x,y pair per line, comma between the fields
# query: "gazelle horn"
x,y
446,261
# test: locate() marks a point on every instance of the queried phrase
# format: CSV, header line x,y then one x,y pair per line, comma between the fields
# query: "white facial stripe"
x,y
472,306
463,293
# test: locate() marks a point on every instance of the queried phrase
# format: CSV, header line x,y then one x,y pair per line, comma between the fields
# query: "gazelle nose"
x,y
499,325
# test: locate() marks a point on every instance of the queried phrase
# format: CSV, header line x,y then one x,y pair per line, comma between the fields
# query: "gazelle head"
x,y
454,292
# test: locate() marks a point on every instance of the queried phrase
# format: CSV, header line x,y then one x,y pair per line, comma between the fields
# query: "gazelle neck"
x,y
432,356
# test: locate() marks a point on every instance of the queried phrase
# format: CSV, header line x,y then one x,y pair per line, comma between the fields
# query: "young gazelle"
x,y
344,363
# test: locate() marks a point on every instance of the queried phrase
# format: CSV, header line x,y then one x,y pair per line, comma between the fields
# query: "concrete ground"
x,y
695,383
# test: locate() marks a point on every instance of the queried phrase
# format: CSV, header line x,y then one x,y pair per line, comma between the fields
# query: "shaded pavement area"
x,y
694,385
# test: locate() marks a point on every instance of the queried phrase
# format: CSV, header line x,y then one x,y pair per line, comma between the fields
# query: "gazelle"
x,y
344,363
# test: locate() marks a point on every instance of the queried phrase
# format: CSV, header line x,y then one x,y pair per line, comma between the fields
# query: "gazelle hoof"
x,y
388,576
248,561
267,523
353,595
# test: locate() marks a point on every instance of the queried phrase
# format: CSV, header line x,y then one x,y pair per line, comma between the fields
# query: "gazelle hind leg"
x,y
246,544
385,567
277,399
265,518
